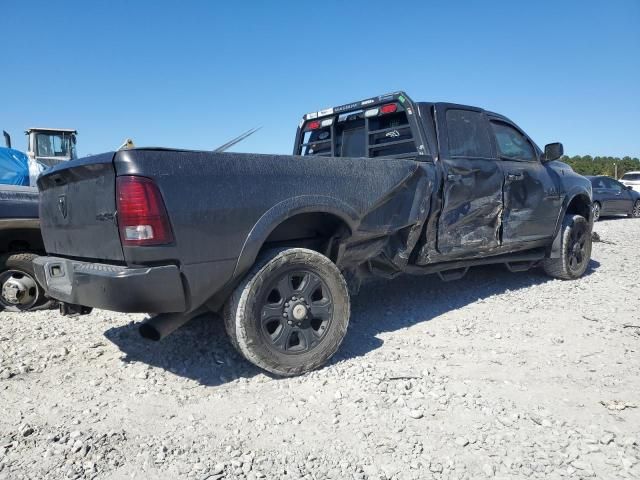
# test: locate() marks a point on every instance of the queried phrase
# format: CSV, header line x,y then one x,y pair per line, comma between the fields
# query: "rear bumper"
x,y
112,287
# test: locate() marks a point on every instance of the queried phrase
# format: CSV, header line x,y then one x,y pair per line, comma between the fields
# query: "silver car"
x,y
631,179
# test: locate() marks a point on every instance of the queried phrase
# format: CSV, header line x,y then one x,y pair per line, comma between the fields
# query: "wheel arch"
x,y
292,213
578,203
21,240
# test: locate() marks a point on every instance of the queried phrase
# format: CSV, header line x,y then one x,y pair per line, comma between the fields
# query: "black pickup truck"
x,y
382,186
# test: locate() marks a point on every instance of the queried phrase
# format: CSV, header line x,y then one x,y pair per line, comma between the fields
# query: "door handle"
x,y
453,178
514,176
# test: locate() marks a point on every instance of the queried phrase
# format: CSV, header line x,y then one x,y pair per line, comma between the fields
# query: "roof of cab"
x,y
45,129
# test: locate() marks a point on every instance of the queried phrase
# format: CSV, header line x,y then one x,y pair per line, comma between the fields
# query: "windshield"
x,y
631,176
56,145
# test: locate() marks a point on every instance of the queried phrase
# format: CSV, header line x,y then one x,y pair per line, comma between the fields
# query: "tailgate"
x,y
78,209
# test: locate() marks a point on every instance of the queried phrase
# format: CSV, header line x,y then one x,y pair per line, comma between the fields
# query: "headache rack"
x,y
383,126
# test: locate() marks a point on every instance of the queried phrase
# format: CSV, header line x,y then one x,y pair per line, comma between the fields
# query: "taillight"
x,y
389,108
142,217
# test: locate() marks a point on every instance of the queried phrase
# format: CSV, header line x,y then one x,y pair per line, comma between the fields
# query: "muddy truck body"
x,y
381,187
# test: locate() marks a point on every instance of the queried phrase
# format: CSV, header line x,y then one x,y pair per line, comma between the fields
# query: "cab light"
x,y
389,108
313,125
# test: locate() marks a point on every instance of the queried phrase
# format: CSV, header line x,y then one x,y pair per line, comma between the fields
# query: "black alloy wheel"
x,y
296,311
572,259
577,248
290,313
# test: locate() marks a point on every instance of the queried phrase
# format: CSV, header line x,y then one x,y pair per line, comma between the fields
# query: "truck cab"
x,y
51,146
500,192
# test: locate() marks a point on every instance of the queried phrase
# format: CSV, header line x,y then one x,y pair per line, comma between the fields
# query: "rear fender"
x,y
281,212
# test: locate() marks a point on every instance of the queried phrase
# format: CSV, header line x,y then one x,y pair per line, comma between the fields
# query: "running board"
x,y
514,261
521,266
450,275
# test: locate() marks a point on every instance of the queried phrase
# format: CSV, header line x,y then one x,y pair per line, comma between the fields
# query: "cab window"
x,y
468,134
512,145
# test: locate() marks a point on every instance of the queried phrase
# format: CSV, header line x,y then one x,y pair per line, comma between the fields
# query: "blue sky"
x,y
193,74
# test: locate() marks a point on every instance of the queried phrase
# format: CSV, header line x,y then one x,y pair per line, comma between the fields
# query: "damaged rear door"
x,y
470,220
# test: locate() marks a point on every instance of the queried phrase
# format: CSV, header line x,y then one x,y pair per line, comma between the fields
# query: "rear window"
x,y
355,134
352,142
468,134
634,177
317,142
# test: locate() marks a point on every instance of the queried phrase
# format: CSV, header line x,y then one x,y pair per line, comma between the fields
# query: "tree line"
x,y
588,165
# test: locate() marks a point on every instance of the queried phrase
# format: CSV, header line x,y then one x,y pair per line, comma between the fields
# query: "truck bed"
x,y
223,206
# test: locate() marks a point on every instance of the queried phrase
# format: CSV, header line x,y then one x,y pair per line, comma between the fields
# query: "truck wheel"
x,y
290,313
575,249
19,290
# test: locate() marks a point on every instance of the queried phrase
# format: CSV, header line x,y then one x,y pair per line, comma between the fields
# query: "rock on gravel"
x,y
498,375
416,414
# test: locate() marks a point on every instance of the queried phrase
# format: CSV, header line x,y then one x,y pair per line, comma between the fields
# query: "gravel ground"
x,y
499,375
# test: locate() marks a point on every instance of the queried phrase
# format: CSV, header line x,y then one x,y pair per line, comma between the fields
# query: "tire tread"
x,y
558,267
236,306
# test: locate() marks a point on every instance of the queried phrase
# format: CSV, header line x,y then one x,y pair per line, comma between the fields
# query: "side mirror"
x,y
552,151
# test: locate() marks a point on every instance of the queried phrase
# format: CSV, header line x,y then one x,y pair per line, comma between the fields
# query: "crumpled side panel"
x,y
393,227
474,224
470,217
531,205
